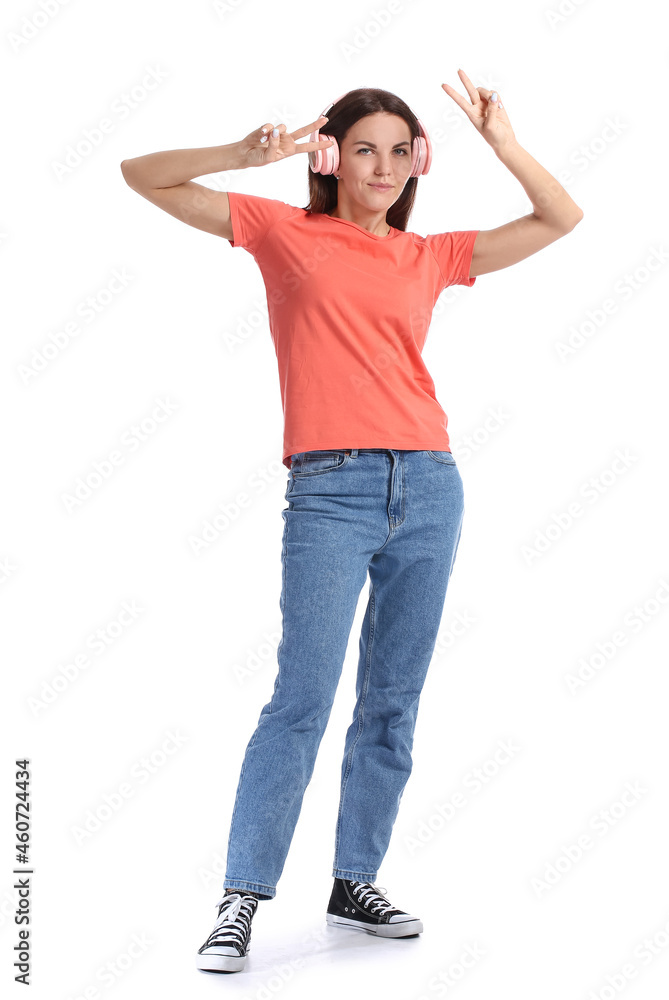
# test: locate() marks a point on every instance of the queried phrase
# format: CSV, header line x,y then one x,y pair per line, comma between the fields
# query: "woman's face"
x,y
375,160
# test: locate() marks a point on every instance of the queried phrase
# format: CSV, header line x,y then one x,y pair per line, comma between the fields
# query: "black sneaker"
x,y
362,905
227,946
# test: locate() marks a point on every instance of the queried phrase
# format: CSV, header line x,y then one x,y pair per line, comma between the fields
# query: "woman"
x,y
350,295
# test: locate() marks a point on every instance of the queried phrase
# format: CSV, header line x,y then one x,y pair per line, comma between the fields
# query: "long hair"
x,y
344,114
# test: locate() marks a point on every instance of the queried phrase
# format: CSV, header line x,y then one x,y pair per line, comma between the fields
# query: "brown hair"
x,y
341,117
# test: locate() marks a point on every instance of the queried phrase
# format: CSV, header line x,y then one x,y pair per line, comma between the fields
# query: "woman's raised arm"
x,y
554,213
164,178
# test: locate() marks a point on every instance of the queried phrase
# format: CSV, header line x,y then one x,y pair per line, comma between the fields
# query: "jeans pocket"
x,y
315,463
444,457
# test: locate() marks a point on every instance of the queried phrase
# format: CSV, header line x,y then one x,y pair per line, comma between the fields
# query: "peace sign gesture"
x,y
486,114
261,147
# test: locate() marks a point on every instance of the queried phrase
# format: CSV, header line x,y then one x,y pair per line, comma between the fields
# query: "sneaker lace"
x,y
234,919
371,896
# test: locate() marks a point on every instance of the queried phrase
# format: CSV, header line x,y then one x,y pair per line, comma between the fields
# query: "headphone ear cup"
x,y
417,156
324,161
421,153
330,156
314,155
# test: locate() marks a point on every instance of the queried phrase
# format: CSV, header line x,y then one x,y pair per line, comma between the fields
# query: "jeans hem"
x,y
264,891
354,876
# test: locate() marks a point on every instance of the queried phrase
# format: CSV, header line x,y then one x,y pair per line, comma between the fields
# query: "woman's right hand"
x,y
261,147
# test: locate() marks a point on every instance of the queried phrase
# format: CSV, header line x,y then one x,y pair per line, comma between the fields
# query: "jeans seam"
x,y
363,698
321,472
284,591
439,461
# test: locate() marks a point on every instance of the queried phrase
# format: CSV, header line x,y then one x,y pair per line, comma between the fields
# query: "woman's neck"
x,y
381,229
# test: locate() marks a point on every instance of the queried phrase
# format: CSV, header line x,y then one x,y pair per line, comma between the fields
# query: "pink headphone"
x,y
326,161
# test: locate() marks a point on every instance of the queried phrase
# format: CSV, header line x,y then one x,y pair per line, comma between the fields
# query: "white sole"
x,y
211,962
404,929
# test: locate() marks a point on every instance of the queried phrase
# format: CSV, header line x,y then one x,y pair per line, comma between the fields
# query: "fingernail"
x,y
275,132
494,95
264,139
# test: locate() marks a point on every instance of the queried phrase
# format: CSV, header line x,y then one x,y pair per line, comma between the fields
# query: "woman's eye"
x,y
366,149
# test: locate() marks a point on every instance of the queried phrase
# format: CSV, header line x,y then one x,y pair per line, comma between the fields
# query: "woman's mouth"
x,y
382,187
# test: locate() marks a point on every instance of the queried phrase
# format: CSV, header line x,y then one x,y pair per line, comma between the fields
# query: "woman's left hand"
x,y
488,116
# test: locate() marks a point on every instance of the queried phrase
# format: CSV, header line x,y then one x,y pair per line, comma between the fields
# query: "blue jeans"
x,y
397,515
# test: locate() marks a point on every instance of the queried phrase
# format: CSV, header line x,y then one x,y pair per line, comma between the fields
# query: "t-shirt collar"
x,y
349,222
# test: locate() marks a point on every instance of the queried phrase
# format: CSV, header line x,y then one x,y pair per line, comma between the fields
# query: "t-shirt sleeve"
x,y
252,217
453,253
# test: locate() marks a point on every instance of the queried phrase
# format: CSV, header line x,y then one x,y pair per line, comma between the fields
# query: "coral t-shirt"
x,y
349,312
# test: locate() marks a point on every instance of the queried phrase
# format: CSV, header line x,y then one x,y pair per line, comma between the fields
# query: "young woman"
x,y
372,483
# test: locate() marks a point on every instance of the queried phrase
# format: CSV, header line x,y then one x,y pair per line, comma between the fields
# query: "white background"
x,y
585,91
